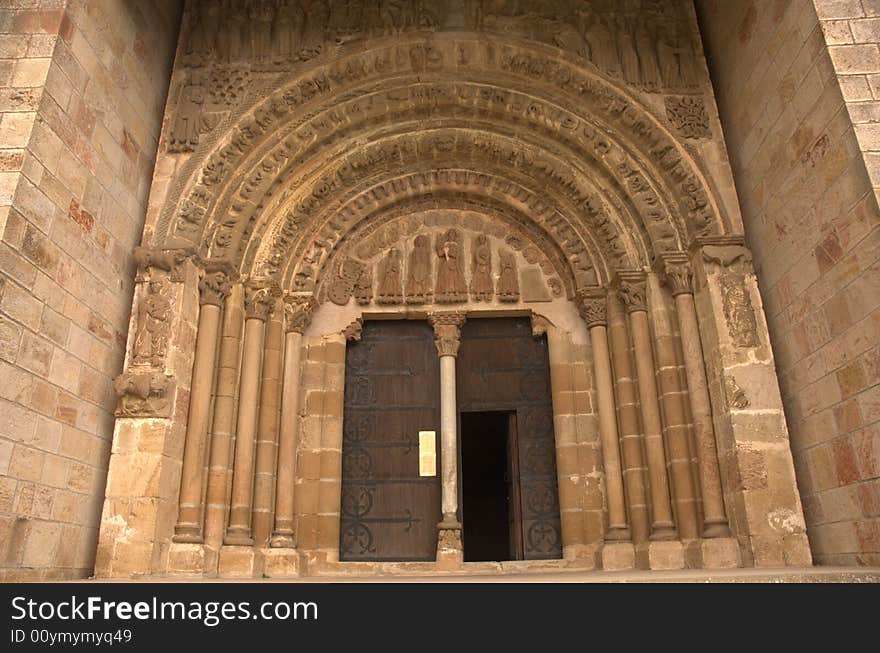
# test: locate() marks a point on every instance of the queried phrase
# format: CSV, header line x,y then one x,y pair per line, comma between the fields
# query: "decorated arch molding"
x,y
283,168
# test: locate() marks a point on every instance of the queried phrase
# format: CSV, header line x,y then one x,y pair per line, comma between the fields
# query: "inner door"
x,y
392,392
501,366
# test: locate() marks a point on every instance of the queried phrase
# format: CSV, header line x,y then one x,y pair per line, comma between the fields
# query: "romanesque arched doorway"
x,y
465,162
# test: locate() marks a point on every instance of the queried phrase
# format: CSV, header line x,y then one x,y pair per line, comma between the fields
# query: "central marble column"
x,y
447,337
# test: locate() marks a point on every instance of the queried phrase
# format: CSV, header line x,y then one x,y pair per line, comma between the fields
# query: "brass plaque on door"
x,y
427,453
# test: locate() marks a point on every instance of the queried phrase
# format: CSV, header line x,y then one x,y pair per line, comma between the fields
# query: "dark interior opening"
x,y
486,486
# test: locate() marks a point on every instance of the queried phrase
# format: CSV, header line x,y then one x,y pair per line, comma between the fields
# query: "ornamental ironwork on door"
x,y
501,366
392,392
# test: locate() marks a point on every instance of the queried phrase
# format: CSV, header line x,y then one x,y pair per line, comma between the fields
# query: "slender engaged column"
x,y
447,337
297,317
593,309
714,517
213,287
632,293
267,434
628,422
219,471
257,303
676,419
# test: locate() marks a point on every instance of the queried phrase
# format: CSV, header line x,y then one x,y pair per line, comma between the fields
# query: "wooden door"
x,y
392,391
502,366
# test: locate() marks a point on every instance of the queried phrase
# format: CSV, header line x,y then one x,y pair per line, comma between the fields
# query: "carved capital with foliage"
x,y
447,331
679,277
592,304
298,310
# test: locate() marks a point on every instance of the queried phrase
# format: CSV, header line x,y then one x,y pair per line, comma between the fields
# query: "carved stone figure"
x,y
508,279
298,312
482,288
603,49
189,121
450,287
168,260
143,395
632,294
645,46
418,279
363,287
151,335
629,60
390,291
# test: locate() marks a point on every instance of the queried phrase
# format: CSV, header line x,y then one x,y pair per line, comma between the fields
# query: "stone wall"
x,y
82,93
800,123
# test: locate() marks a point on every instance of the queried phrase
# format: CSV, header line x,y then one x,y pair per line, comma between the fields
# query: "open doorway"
x,y
490,501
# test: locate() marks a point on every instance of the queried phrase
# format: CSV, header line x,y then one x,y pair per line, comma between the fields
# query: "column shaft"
x,y
217,500
239,530
617,523
189,520
448,439
662,526
714,516
283,533
628,422
267,439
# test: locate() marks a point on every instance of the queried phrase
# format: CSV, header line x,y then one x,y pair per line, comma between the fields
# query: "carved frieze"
x,y
447,331
143,394
153,326
689,116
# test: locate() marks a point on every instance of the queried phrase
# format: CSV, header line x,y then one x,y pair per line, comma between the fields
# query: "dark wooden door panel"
x,y
392,391
502,366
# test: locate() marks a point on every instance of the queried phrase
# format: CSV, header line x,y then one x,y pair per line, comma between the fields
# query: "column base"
x,y
239,562
282,540
663,532
720,553
618,534
715,529
185,559
281,563
238,537
450,552
664,555
187,534
617,556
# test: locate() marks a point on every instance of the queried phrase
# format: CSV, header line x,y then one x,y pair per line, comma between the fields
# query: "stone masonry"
x,y
797,88
82,92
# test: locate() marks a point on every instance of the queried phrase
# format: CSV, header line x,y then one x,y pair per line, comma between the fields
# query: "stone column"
x,y
680,279
676,417
632,293
267,435
592,307
257,304
213,288
298,314
447,337
217,499
628,421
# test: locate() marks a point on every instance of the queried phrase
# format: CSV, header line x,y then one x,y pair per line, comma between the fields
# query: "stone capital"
x,y
447,331
592,304
259,303
298,310
354,331
214,288
679,277
632,294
